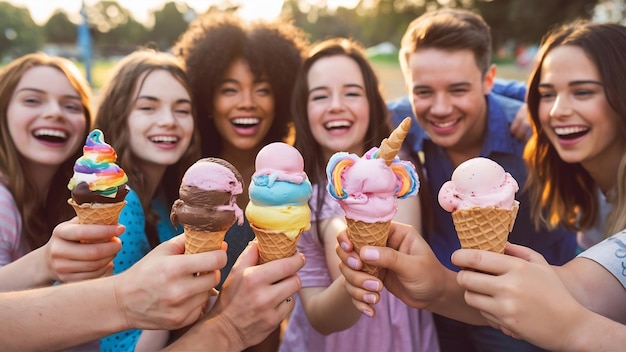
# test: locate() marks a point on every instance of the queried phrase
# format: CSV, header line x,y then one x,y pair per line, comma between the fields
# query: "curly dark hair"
x,y
215,40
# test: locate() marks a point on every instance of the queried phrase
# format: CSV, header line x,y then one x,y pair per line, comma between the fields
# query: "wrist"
x,y
43,273
119,295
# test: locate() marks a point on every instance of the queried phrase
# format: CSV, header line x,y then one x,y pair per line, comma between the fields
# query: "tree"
x,y
59,29
169,24
19,34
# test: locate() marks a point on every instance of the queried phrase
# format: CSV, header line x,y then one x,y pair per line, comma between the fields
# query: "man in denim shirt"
x,y
446,61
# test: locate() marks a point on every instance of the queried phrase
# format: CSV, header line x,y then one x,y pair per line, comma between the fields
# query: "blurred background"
x,y
96,33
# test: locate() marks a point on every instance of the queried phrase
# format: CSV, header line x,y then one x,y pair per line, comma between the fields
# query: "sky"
x,y
41,10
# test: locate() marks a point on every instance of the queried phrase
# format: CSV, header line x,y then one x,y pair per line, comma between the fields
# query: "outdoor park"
x,y
114,30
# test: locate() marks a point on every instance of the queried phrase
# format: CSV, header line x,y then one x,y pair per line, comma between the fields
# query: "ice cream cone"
x,y
363,233
202,241
484,228
390,146
98,213
274,244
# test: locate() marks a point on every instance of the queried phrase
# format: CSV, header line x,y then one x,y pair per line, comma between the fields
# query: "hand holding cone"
x,y
367,190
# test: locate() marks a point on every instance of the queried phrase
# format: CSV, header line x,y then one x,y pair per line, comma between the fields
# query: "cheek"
x,y
544,114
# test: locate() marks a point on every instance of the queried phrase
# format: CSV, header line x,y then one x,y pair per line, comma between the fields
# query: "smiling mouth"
x,y
572,132
445,124
164,139
50,135
246,122
336,125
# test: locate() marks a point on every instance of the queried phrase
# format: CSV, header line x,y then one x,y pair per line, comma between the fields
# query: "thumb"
x,y
524,253
383,257
175,245
250,255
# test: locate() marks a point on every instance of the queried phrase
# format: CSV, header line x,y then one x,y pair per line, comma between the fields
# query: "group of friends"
x,y
230,87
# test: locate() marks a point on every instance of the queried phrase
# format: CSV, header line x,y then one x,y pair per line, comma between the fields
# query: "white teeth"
x,y
444,124
564,131
164,139
337,124
246,121
50,132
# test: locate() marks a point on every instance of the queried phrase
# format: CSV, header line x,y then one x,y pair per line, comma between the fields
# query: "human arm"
x,y
251,304
410,271
159,292
63,258
328,308
525,297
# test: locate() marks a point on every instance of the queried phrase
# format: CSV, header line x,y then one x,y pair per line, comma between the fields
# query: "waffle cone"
x,y
202,241
274,244
484,228
389,147
97,213
363,233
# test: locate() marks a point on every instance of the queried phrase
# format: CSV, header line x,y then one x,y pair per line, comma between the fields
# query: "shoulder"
x,y
611,254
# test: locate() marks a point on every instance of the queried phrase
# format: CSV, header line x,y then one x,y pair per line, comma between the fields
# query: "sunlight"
x,y
41,10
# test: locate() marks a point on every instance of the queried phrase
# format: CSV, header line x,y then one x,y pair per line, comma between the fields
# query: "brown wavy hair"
x,y
379,126
118,95
40,213
215,40
564,193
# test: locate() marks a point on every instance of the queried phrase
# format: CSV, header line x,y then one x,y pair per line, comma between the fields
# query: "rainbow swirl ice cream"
x,y
98,187
366,188
279,193
97,179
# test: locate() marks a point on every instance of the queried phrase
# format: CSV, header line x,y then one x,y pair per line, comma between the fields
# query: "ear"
x,y
408,181
337,165
489,79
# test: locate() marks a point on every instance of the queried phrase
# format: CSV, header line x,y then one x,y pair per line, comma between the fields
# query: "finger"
x,y
203,262
524,253
71,231
344,243
105,270
282,290
175,245
85,252
250,255
279,269
484,261
364,308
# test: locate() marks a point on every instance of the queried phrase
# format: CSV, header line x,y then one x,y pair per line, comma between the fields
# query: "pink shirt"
x,y
11,247
396,327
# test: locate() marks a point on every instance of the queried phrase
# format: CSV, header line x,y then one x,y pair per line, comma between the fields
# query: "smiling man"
x,y
446,62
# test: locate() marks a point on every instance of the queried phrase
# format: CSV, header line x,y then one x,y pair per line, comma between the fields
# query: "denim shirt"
x,y
558,246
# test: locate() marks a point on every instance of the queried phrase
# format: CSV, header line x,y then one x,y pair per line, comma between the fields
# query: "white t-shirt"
x,y
611,254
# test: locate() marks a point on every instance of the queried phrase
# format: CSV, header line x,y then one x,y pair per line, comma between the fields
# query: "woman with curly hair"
x,y
241,76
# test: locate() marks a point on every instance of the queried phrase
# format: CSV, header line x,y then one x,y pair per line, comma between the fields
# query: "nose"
x,y
247,100
53,110
166,118
336,103
561,107
441,105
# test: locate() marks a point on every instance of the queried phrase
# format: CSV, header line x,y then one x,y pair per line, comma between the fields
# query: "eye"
x,y
74,107
316,97
545,95
422,93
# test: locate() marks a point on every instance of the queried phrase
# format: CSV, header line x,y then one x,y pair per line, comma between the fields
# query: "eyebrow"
x,y
44,92
349,85
151,98
453,85
572,83
256,81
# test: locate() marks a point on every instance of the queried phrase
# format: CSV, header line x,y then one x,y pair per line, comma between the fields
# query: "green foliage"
x,y
19,34
371,22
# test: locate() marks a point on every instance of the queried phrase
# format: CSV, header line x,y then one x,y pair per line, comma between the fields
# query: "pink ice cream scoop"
x,y
478,182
